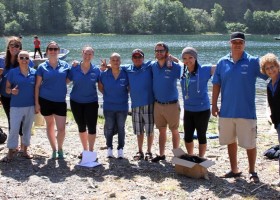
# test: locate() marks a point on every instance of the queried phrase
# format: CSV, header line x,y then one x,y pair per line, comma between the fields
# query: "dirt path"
x,y
43,178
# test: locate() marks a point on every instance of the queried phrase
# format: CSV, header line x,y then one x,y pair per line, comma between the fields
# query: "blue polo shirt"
x,y
140,84
84,85
5,75
195,89
26,85
115,92
238,86
53,87
165,82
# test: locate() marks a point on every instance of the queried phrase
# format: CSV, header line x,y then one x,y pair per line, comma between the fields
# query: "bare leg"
x,y
60,124
175,138
50,131
162,141
91,141
150,140
84,138
202,149
232,152
140,140
189,147
252,155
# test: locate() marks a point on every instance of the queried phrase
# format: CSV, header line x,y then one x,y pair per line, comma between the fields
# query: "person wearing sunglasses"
x,y
84,98
166,107
8,62
194,84
50,97
142,102
20,85
270,66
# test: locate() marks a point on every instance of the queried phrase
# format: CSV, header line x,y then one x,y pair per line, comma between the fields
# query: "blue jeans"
x,y
278,131
112,119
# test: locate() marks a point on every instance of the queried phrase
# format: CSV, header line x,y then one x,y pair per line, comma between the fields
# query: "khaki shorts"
x,y
244,130
167,114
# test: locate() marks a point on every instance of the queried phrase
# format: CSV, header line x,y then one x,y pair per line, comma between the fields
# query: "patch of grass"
x,y
2,113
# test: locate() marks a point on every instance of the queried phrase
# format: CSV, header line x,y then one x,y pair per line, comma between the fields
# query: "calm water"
x,y
210,47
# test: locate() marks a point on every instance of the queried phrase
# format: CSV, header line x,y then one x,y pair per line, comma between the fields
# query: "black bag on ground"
x,y
273,152
3,136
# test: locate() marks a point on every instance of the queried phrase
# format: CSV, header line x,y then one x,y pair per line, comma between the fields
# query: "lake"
x,y
210,48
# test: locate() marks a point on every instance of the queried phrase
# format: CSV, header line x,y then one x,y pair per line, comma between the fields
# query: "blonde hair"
x,y
269,58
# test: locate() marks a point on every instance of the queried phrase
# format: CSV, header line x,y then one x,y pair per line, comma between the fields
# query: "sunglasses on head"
x,y
137,57
24,58
53,49
160,51
14,45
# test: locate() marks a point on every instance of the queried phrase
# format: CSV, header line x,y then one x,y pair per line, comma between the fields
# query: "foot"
x,y
60,154
139,156
54,155
110,153
231,174
254,177
158,158
27,155
120,154
148,156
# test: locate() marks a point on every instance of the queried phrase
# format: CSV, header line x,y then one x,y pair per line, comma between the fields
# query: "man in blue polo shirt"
x,y
166,108
235,78
142,101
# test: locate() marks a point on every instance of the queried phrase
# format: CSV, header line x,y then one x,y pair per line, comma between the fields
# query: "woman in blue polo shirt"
x,y
20,85
50,94
7,63
114,86
84,99
194,83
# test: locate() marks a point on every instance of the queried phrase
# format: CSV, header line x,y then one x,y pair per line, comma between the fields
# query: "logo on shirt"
x,y
244,69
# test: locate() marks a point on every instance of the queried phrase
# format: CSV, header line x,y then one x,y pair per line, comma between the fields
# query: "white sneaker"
x,y
120,153
110,153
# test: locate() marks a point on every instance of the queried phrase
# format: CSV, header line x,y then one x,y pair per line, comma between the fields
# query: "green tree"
x,y
218,18
12,28
233,27
141,20
2,18
202,20
98,17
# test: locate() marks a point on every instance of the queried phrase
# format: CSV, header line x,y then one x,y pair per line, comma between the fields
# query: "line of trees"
x,y
126,17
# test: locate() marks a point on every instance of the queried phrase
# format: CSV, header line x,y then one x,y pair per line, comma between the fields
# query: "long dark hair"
x,y
8,61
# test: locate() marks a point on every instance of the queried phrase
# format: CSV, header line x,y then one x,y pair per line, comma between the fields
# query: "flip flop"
x,y
138,156
230,174
148,156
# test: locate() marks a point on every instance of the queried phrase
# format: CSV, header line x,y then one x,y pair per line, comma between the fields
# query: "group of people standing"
x,y
154,99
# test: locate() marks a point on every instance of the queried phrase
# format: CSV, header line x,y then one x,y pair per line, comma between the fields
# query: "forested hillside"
x,y
139,16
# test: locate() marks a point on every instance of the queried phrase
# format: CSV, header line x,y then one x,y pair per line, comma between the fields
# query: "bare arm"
x,y
215,96
213,68
100,87
37,87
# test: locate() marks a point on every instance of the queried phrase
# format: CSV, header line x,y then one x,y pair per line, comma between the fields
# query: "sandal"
x,y
27,156
230,174
148,156
254,176
139,156
158,158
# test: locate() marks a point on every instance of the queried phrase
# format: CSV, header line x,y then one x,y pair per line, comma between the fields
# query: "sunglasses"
x,y
52,49
137,57
24,58
14,45
160,51
269,68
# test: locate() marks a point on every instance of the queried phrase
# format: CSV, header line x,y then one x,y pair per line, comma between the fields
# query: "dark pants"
x,y
39,50
6,102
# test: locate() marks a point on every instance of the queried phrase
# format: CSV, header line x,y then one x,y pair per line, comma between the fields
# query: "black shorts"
x,y
198,121
85,115
51,107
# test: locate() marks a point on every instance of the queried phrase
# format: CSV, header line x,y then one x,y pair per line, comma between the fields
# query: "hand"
x,y
15,90
75,63
1,71
215,110
37,108
103,65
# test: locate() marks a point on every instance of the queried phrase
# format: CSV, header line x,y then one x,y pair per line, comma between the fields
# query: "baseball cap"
x,y
237,36
137,51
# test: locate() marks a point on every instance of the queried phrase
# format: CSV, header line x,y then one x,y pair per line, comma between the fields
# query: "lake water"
x,y
210,48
